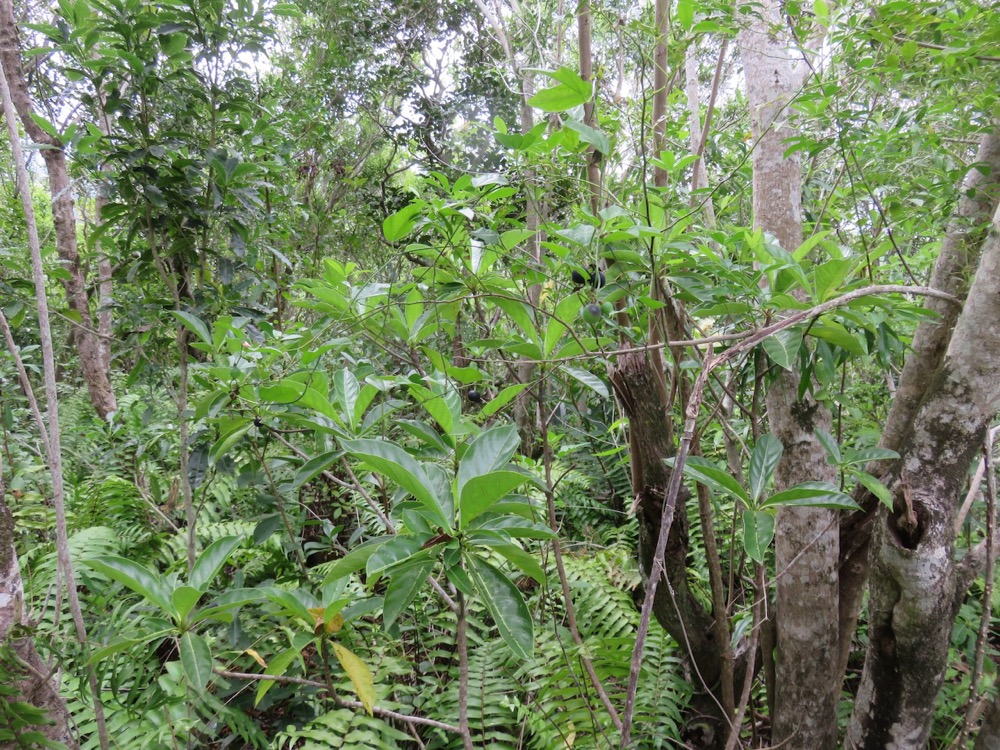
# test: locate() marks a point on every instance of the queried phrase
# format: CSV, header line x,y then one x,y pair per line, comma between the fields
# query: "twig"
x,y
383,713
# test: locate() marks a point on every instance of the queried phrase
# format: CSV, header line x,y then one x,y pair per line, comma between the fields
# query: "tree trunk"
x,y
27,673
92,362
806,539
913,599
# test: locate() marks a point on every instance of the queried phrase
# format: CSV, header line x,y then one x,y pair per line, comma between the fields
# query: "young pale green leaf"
x,y
766,454
875,487
405,584
758,531
588,379
184,599
196,658
783,347
811,495
401,223
194,324
829,442
505,604
140,579
399,466
704,471
347,389
361,677
571,91
210,562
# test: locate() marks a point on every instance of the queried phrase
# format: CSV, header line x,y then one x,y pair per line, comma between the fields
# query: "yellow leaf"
x,y
335,624
256,657
361,676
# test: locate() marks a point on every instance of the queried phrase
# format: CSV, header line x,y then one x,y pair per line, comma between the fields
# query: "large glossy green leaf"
x,y
406,582
196,658
763,461
491,450
876,487
221,607
184,599
401,223
758,531
783,347
702,470
140,579
526,562
513,526
399,466
503,398
394,551
194,324
811,495
505,604
589,379
481,492
347,390
354,560
210,562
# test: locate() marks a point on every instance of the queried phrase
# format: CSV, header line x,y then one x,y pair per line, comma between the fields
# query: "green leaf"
x,y
184,599
591,136
783,347
505,604
864,455
572,91
876,487
395,550
503,398
519,558
401,223
704,471
513,526
141,580
399,466
403,588
347,390
565,313
811,495
194,324
277,667
354,560
758,531
766,454
220,607
829,443
588,379
481,492
491,450
126,644
361,677
838,335
210,562
196,658
229,439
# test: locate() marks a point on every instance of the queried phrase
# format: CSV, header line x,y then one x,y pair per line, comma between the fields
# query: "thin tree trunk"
x,y
92,363
806,539
31,676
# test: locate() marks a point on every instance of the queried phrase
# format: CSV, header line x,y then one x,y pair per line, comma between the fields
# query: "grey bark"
x,y
92,361
806,540
30,675
913,576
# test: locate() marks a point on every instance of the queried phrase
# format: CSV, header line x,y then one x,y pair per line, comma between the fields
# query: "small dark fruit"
x,y
592,276
475,396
